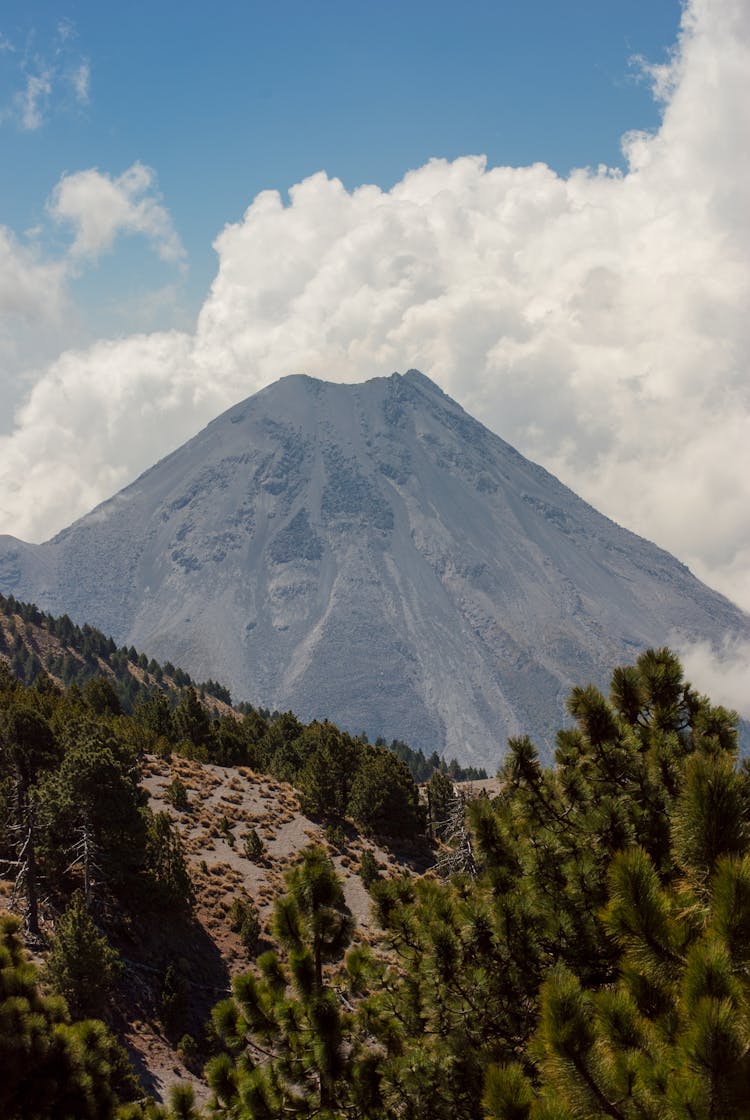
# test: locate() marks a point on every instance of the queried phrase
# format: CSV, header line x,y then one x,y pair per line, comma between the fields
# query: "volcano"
x,y
371,554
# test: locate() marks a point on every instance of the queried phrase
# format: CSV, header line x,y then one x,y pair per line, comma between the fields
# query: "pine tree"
x,y
440,795
81,965
531,934
191,719
155,716
93,810
27,746
326,777
166,865
52,1069
668,1036
383,797
101,696
292,1040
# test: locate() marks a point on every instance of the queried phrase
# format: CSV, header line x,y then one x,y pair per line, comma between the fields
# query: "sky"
x,y
544,207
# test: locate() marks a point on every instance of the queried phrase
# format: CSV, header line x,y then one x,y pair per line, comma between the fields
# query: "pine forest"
x,y
568,942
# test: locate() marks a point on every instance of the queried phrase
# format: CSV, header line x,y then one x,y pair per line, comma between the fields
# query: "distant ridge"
x,y
39,649
373,554
35,645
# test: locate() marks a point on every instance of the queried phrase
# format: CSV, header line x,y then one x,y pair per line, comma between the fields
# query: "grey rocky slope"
x,y
372,554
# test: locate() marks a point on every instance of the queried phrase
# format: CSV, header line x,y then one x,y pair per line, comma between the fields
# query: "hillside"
x,y
223,805
34,643
183,859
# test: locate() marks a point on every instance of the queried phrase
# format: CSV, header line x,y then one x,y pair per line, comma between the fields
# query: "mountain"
x,y
372,554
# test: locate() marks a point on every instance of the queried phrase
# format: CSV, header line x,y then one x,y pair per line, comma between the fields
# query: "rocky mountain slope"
x,y
372,554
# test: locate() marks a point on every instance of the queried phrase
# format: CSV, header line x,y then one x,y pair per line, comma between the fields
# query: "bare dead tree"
x,y
458,856
84,852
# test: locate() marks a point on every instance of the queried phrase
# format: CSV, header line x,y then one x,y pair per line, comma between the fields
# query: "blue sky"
x,y
223,102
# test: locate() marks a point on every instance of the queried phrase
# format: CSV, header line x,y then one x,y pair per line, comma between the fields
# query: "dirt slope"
x,y
223,805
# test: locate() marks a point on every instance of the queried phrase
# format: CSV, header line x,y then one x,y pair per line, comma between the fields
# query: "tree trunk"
x,y
29,872
87,866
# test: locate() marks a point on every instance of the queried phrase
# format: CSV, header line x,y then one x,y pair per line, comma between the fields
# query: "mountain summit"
x,y
372,554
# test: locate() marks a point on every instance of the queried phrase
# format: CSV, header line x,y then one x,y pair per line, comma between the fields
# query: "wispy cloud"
x,y
49,78
80,79
32,102
65,31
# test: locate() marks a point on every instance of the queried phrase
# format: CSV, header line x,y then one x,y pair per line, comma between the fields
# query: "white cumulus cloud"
x,y
722,674
99,208
35,315
145,377
597,321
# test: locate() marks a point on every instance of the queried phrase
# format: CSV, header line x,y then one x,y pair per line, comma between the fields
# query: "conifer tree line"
x,y
123,681
585,955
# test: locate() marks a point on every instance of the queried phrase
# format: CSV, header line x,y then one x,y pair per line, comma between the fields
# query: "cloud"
x,y
721,674
597,321
35,315
29,286
31,102
99,208
45,78
146,377
65,31
80,79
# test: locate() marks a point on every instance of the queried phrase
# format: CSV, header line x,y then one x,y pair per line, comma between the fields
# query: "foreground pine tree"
x,y
27,745
52,1069
286,1030
665,1032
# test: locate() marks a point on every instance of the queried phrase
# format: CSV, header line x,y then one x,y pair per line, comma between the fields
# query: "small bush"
x,y
245,920
336,836
368,869
187,1048
174,1001
254,846
177,794
225,828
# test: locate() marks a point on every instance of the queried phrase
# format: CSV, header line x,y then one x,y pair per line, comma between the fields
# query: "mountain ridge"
x,y
370,553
